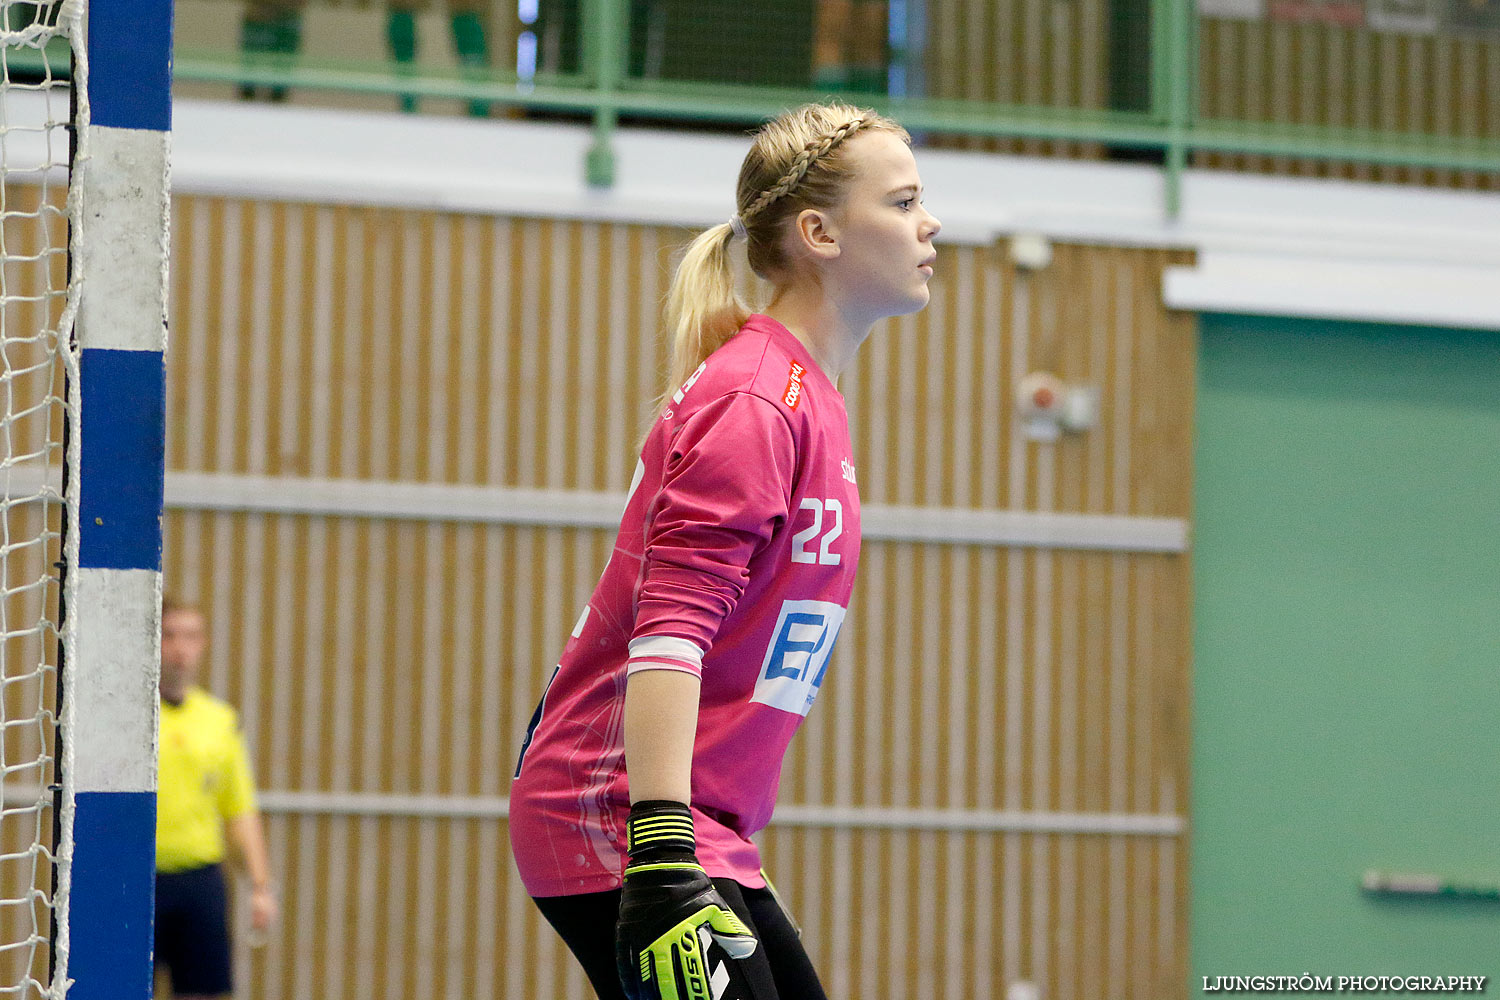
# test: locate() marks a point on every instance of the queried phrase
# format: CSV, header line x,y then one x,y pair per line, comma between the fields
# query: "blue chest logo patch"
x,y
798,655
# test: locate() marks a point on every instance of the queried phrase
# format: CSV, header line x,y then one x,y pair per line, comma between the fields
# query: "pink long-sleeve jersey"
x,y
735,559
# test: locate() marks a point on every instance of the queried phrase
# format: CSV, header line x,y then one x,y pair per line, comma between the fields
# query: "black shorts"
x,y
192,930
778,970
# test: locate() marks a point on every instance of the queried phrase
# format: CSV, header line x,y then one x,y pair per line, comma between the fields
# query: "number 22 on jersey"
x,y
833,511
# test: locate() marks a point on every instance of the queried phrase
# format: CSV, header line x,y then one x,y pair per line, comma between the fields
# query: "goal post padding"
x,y
112,627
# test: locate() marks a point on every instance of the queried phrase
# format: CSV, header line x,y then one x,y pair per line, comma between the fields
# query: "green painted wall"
x,y
1347,646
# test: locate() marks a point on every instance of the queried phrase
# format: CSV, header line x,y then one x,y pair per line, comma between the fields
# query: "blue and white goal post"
x,y
116,454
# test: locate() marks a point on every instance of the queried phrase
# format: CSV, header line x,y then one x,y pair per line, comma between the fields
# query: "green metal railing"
x,y
603,90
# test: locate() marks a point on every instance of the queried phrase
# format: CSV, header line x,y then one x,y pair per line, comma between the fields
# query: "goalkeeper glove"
x,y
676,938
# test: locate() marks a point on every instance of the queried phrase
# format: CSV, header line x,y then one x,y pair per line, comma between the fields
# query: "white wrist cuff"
x,y
665,652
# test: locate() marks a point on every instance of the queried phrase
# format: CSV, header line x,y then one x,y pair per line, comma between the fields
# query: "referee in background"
x,y
205,814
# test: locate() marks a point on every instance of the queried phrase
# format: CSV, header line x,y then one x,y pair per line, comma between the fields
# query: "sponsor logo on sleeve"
x,y
680,394
793,394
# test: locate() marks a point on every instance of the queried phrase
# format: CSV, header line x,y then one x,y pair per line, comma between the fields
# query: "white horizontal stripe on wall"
x,y
583,509
833,817
329,156
1377,291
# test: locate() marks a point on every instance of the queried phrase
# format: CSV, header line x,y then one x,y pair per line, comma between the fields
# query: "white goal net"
x,y
35,327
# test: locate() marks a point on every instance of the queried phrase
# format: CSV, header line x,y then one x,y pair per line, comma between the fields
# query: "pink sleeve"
x,y
726,488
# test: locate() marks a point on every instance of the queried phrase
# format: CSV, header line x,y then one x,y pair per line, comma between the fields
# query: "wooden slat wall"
x,y
405,657
1352,77
1041,53
1037,53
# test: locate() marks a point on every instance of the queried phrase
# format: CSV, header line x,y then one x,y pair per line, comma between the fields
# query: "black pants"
x,y
192,930
778,970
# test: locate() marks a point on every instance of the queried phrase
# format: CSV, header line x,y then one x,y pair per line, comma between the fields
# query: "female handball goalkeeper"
x,y
656,750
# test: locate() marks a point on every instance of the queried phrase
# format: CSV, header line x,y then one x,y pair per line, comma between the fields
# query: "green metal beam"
x,y
605,56
1178,132
1347,145
730,104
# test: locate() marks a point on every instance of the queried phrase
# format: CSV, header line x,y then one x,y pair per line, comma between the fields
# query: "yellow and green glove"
x,y
676,938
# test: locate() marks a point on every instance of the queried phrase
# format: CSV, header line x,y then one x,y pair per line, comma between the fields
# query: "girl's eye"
x,y
906,204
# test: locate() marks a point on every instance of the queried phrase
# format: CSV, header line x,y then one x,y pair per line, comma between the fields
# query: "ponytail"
x,y
703,306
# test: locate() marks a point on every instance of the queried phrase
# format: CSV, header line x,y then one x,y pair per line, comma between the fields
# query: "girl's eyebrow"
x,y
904,189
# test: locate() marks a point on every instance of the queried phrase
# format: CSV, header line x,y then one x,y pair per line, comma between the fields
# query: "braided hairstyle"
x,y
794,164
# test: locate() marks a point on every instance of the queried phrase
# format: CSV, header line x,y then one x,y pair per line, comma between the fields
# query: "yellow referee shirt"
x,y
203,779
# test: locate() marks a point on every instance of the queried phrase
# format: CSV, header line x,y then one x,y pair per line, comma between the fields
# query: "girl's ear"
x,y
815,234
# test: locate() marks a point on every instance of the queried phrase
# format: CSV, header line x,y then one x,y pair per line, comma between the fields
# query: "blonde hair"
x,y
795,163
173,602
